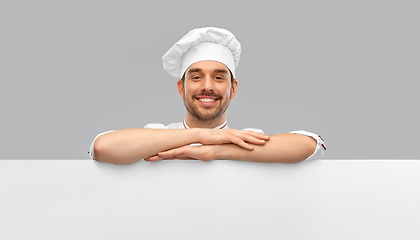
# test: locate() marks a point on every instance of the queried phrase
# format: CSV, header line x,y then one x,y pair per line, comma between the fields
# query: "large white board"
x,y
326,199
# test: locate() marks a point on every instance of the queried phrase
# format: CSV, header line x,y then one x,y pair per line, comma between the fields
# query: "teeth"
x,y
207,100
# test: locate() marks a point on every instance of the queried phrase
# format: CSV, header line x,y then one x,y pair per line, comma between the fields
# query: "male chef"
x,y
204,62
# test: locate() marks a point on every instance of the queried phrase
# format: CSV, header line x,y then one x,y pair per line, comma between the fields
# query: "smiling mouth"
x,y
206,100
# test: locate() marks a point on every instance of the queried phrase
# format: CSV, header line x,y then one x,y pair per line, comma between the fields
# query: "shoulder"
x,y
162,126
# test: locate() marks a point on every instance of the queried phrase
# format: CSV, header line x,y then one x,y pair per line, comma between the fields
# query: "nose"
x,y
207,84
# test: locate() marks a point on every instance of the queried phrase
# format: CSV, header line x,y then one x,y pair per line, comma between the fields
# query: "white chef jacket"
x,y
317,154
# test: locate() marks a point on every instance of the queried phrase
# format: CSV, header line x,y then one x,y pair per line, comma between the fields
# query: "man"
x,y
204,60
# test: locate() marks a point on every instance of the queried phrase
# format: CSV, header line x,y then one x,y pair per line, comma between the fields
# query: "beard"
x,y
207,114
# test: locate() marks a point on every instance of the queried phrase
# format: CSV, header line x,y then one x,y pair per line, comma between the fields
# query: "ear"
x,y
234,88
180,87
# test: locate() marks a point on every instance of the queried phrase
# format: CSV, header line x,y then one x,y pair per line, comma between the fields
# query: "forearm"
x,y
131,145
281,148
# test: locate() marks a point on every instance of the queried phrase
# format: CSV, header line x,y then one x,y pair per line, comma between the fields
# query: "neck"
x,y
196,123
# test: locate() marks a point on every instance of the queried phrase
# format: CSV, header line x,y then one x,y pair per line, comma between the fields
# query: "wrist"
x,y
199,135
192,135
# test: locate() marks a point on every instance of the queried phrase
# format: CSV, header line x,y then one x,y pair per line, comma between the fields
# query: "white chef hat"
x,y
201,44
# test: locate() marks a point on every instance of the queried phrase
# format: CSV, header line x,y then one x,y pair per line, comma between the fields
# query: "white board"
x,y
325,199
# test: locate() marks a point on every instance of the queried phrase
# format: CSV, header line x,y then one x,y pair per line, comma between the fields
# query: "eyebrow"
x,y
220,71
192,70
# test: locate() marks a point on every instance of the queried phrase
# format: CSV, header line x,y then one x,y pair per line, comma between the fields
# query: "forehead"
x,y
207,66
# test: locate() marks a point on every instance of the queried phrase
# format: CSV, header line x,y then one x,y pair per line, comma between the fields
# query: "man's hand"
x,y
238,137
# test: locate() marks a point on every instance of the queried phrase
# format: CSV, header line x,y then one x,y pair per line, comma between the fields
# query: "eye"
x,y
219,78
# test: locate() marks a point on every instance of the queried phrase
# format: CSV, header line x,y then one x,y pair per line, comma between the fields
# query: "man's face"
x,y
207,90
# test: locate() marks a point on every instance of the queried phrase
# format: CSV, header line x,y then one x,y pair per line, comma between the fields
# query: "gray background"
x,y
347,70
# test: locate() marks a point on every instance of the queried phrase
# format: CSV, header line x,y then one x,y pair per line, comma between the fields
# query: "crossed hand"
x,y
210,140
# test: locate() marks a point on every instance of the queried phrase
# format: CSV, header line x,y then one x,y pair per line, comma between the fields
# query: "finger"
x,y
238,141
169,154
182,153
182,158
179,157
261,136
245,137
252,139
153,158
